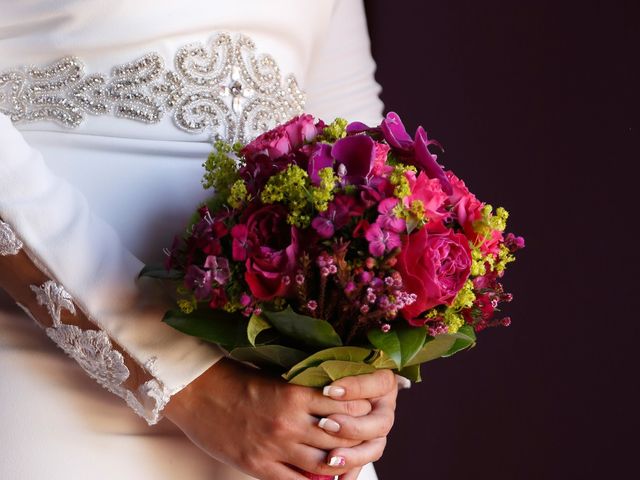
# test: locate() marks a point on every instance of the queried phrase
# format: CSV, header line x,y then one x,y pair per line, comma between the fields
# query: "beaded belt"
x,y
222,87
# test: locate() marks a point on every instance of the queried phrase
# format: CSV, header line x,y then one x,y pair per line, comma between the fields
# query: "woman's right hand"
x,y
262,425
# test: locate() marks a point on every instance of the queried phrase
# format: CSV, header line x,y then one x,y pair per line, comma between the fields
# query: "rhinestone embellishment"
x,y
9,243
223,87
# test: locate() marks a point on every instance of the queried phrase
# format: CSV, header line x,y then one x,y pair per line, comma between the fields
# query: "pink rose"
x,y
283,139
434,266
271,263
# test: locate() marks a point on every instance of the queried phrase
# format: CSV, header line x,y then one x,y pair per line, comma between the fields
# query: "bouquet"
x,y
329,250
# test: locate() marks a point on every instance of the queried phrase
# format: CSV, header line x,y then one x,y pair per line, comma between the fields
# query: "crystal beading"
x,y
223,87
9,243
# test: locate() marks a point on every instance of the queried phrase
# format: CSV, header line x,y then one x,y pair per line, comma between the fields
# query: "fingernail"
x,y
336,462
334,392
329,425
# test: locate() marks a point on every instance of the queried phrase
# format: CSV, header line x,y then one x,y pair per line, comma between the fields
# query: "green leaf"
x,y
337,369
268,355
412,373
158,271
257,324
223,328
351,354
382,360
465,338
312,377
388,342
432,349
311,331
411,341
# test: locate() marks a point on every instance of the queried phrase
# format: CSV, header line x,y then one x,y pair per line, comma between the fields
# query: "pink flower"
x,y
272,263
381,241
466,207
219,267
283,139
429,192
380,167
387,219
434,266
243,241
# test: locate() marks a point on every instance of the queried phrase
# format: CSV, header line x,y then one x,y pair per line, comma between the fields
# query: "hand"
x,y
382,389
266,427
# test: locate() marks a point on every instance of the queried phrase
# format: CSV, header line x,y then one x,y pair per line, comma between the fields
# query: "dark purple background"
x,y
532,102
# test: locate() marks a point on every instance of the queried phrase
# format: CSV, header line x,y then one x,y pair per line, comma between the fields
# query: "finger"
x,y
351,475
316,461
377,424
280,471
370,385
322,406
315,436
360,455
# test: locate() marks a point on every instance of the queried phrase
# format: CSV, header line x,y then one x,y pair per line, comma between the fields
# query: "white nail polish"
x,y
336,462
329,425
333,392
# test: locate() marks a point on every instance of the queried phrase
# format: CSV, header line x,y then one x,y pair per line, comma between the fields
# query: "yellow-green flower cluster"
x,y
453,320
335,130
238,194
187,305
491,221
400,180
464,299
290,187
221,170
414,215
504,257
323,194
479,261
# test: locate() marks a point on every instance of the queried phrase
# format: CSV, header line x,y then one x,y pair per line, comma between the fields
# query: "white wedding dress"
x,y
107,111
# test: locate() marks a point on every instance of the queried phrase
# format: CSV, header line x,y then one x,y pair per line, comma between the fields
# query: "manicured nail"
x,y
333,392
329,425
337,462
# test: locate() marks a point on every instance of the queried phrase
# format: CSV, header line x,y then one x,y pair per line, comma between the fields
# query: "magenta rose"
x,y
434,266
283,139
272,261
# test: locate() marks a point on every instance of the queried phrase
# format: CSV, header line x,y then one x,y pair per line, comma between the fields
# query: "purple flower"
x,y
319,158
323,224
394,132
219,268
426,161
414,151
357,153
381,241
337,215
199,281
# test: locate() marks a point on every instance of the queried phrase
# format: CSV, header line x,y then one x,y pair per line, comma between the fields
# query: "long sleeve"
x,y
86,271
340,79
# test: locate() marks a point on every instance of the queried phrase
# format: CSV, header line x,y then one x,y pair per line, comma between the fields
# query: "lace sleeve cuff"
x,y
69,246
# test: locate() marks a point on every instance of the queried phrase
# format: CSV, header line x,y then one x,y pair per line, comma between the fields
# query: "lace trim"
x,y
94,352
222,87
9,243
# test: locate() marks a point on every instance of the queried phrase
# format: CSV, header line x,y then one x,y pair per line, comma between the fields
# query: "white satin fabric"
x,y
95,203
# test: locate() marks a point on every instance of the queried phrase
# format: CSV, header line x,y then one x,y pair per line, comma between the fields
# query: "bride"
x,y
107,111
